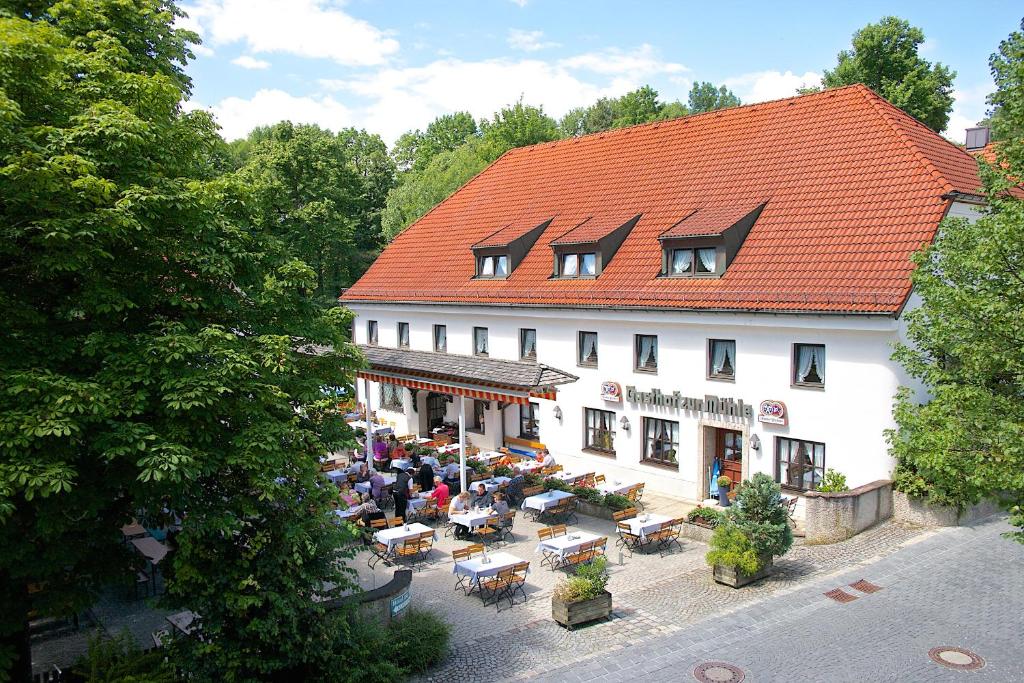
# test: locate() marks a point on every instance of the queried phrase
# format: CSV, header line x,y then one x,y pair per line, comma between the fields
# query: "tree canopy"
x,y
967,336
639,106
884,56
705,97
153,351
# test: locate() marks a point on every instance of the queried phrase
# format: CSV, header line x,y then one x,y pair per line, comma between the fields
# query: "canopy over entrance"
x,y
478,377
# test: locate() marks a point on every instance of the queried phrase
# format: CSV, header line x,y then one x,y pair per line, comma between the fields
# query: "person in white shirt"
x,y
460,503
430,460
545,458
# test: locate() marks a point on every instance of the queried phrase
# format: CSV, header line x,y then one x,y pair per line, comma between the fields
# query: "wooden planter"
x,y
570,614
731,576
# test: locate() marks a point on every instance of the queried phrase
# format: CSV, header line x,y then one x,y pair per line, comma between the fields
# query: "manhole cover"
x,y
718,672
839,595
956,658
865,586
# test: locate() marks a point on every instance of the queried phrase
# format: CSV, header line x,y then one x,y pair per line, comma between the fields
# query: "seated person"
x,y
398,451
380,451
439,493
377,484
451,470
481,498
364,473
366,507
516,484
460,503
431,460
349,497
545,458
499,506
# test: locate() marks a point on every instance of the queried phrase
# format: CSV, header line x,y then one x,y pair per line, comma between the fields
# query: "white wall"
x,y
849,415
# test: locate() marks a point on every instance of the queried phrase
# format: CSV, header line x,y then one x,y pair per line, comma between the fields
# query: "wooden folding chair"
x,y
429,511
600,546
670,532
489,531
628,513
599,479
505,528
559,529
545,534
395,521
379,552
518,582
496,587
635,494
460,554
627,539
583,554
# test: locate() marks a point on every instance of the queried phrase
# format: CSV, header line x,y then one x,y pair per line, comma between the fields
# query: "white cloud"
x,y
530,41
969,107
521,3
247,62
643,61
307,28
760,86
237,116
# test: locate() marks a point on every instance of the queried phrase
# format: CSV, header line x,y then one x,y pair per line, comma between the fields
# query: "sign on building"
x,y
611,391
773,412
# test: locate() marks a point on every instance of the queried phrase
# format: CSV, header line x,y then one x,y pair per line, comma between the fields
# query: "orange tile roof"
x,y
593,228
713,220
854,187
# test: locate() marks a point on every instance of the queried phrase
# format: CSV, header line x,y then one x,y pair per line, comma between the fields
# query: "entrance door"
x,y
730,453
437,406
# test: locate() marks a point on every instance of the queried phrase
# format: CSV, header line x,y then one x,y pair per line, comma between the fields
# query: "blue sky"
x,y
392,66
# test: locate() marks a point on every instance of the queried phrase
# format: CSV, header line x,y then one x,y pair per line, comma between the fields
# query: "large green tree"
x,y
884,56
966,442
152,351
705,96
415,149
638,106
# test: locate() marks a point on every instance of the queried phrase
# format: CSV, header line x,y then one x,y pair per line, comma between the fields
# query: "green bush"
x,y
532,479
724,481
588,494
478,466
120,660
502,471
730,547
616,502
419,640
556,485
760,515
833,482
588,583
706,515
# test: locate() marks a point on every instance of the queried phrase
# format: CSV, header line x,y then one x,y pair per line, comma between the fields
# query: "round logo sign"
x,y
772,412
611,391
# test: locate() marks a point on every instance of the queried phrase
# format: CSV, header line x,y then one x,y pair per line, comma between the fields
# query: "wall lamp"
x,y
755,442
558,413
624,422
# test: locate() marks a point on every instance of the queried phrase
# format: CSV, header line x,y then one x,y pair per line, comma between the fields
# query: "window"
x,y
391,396
529,421
799,464
493,266
403,335
578,265
479,341
527,344
721,359
371,332
661,440
479,411
684,262
600,430
440,338
587,352
809,365
645,353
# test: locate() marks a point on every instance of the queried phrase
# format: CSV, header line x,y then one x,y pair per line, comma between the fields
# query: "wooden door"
x,y
730,453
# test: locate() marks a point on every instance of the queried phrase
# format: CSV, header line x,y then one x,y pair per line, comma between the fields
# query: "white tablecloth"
x,y
377,429
490,456
543,501
642,527
491,485
472,518
528,465
396,536
620,487
568,544
337,475
475,567
364,486
346,514
450,448
569,476
416,503
401,464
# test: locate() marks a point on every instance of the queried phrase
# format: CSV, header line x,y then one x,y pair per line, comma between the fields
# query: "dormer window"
x,y
578,265
492,266
688,262
587,249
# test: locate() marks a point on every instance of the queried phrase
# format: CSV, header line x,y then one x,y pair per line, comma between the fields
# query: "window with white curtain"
x,y
600,430
578,265
480,341
682,262
661,440
501,266
587,352
527,344
487,266
809,365
371,332
706,262
721,359
492,266
799,464
570,265
645,353
588,264
690,262
440,338
529,421
403,335
391,397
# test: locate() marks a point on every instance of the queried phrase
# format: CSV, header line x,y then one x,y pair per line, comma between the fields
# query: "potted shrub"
x,y
751,534
724,483
583,597
704,516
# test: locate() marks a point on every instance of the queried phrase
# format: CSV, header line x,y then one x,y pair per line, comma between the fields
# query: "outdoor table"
x,y
377,428
133,530
337,475
422,440
418,501
567,544
401,464
542,501
471,518
183,622
491,485
450,448
569,477
619,487
490,456
641,524
152,549
475,568
346,514
364,486
528,465
399,534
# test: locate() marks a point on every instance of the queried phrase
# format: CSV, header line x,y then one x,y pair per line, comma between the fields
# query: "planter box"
x,y
730,576
591,510
696,532
572,613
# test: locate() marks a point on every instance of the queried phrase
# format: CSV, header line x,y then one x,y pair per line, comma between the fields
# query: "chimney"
x,y
977,138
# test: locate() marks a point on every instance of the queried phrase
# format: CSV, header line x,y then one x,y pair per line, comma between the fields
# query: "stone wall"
x,y
916,511
833,517
384,603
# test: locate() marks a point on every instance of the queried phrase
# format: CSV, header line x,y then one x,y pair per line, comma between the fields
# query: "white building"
x,y
724,286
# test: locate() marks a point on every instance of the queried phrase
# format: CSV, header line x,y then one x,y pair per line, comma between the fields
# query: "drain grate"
x,y
865,586
839,595
718,672
956,658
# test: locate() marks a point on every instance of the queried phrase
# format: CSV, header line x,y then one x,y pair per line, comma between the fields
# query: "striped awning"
x,y
481,393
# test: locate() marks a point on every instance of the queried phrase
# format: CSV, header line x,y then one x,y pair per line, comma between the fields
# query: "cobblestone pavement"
x,y
654,597
959,587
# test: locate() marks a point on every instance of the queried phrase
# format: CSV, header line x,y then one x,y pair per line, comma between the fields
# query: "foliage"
x,y
616,502
502,471
552,484
884,56
419,640
414,150
477,465
705,97
589,582
588,494
152,350
731,547
639,106
706,515
532,479
724,482
760,515
1007,115
118,659
833,482
517,126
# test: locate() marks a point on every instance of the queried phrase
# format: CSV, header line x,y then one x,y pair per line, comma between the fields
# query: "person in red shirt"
x,y
440,493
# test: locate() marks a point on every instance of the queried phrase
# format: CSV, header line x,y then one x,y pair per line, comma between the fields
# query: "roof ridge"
x,y
881,106
686,117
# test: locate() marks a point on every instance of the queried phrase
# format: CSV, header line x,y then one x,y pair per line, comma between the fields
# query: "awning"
x,y
487,379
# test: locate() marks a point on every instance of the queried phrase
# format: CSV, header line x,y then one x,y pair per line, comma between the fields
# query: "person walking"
x,y
403,484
